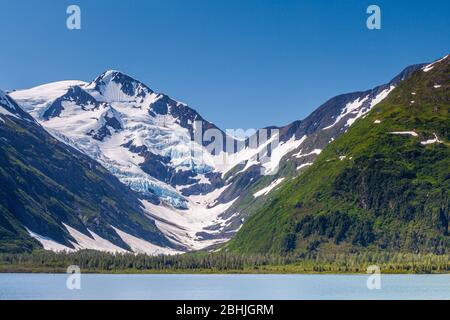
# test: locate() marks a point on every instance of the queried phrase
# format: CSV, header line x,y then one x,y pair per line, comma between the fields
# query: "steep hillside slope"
x,y
54,196
301,141
384,184
198,196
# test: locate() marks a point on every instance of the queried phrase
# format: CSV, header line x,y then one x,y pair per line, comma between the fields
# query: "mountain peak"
x,y
112,74
115,76
116,85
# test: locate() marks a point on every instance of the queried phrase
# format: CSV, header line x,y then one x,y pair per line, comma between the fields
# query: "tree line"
x,y
222,262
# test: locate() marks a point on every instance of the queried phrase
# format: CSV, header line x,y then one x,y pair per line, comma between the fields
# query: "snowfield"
x,y
106,119
95,242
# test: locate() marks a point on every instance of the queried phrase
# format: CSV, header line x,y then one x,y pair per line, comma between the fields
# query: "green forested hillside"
x,y
373,188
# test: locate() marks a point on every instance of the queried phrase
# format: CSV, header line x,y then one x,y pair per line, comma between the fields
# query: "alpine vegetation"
x,y
112,165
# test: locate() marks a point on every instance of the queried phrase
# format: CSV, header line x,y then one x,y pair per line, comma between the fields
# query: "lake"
x,y
246,287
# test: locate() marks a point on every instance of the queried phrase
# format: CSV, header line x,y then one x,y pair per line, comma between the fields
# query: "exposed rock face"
x,y
149,142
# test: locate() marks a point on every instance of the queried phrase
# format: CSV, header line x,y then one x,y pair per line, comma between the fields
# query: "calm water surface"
x,y
103,286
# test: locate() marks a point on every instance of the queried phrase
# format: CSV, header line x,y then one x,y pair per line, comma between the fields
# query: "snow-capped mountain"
x,y
198,196
54,195
142,137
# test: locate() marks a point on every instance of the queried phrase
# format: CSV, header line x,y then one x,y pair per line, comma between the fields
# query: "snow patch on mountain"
x,y
271,166
410,133
5,112
301,155
431,65
5,103
95,243
258,156
351,107
49,244
144,247
380,97
270,187
186,226
303,165
8,107
431,141
358,107
35,100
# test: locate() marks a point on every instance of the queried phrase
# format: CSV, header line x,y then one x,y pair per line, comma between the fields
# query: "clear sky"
x,y
240,63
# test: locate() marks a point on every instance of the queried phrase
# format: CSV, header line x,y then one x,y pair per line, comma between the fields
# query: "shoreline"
x,y
268,271
225,263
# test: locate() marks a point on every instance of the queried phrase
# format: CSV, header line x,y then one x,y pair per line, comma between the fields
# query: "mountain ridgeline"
x,y
384,185
111,165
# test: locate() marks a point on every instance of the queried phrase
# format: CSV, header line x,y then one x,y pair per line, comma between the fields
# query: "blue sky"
x,y
240,63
